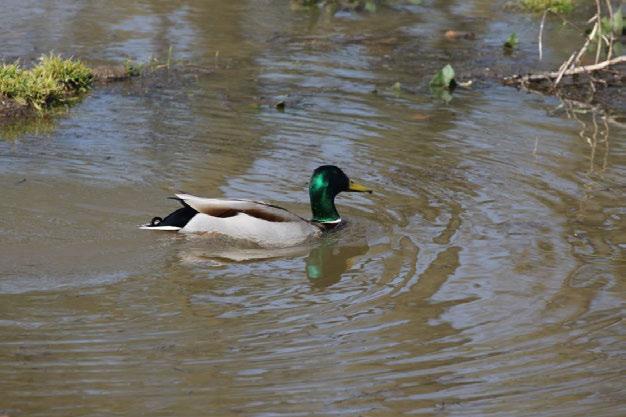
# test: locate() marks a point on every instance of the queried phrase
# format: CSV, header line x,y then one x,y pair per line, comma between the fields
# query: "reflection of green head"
x,y
326,182
327,262
313,271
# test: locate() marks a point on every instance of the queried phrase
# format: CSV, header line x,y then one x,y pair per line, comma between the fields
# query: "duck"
x,y
263,224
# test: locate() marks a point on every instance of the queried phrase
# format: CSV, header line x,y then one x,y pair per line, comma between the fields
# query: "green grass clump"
x,y
555,6
72,74
54,80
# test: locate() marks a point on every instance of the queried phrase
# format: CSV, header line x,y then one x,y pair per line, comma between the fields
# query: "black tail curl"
x,y
178,218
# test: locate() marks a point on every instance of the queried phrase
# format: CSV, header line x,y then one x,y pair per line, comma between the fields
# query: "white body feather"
x,y
254,221
245,227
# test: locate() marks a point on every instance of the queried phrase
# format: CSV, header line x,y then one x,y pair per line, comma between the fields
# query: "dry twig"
x,y
543,20
572,71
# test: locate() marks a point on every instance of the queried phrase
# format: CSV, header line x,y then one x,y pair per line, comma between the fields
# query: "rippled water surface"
x,y
485,276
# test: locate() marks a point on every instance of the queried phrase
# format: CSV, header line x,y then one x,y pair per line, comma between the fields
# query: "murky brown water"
x,y
485,277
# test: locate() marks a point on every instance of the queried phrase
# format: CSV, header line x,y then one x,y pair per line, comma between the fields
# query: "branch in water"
x,y
522,79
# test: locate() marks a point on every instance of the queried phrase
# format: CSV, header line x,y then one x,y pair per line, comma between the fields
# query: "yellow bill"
x,y
353,186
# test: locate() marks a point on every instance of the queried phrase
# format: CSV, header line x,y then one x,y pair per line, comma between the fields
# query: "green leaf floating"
x,y
512,41
444,78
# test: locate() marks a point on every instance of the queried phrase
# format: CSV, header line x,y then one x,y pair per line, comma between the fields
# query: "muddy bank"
x,y
112,73
11,109
14,112
15,107
603,90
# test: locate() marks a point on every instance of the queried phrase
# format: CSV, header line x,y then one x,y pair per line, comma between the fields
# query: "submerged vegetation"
x,y
356,5
53,81
353,5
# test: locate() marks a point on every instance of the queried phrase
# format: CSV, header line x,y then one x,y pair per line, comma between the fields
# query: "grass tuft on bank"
x,y
52,81
554,6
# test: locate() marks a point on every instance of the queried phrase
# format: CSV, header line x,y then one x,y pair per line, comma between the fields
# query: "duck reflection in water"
x,y
324,266
327,262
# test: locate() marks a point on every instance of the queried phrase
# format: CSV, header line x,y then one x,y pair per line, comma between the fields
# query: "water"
x,y
484,277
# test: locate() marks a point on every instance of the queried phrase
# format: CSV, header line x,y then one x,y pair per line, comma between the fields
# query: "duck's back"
x,y
263,224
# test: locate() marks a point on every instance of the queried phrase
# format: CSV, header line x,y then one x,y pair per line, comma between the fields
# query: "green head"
x,y
326,182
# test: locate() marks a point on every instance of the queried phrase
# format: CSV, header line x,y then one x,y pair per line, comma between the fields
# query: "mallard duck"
x,y
261,223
